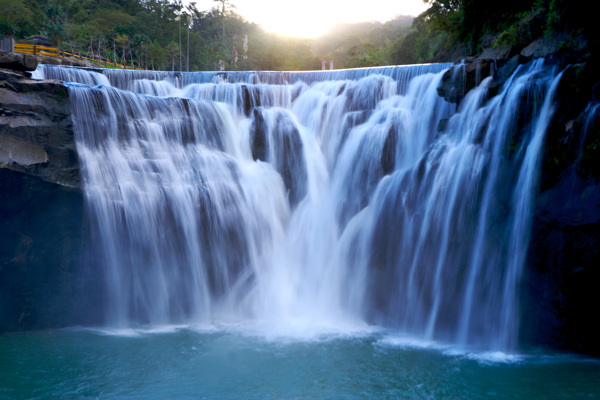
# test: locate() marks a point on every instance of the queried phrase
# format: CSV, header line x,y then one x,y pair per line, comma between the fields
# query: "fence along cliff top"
x,y
58,53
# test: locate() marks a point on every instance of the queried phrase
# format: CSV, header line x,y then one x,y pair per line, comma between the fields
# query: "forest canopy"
x,y
169,35
475,25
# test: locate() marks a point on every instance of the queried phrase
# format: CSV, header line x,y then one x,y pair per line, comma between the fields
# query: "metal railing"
x,y
36,49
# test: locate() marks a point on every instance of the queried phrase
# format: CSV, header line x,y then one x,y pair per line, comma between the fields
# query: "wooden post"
x,y
34,49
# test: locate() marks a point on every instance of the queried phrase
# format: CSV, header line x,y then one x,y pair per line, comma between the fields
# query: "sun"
x,y
311,18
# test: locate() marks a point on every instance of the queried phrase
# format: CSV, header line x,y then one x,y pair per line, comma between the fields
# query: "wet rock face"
x,y
559,287
43,234
561,284
461,78
276,140
36,131
43,227
258,137
17,62
562,275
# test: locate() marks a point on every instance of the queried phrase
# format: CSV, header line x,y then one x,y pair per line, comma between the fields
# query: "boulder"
x,y
17,62
540,48
36,131
30,62
497,52
274,138
48,60
464,76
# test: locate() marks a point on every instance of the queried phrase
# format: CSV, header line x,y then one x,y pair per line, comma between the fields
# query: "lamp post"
x,y
180,57
187,60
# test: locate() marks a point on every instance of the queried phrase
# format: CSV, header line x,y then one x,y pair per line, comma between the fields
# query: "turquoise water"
x,y
184,363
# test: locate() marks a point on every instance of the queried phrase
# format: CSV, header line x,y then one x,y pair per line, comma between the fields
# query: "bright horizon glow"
x,y
311,18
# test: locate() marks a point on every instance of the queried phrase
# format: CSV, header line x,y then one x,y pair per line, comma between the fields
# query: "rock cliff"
x,y
41,206
562,274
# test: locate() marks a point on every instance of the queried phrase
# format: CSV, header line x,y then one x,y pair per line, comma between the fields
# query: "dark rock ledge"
x,y
36,132
559,286
42,222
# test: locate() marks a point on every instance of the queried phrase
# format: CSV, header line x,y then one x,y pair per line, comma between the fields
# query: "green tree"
x,y
172,52
157,55
123,41
141,43
16,18
55,18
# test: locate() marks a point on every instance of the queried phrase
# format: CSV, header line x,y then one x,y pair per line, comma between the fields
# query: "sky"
x,y
310,18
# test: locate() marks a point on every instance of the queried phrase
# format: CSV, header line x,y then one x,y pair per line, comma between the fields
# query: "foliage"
x,y
146,31
421,45
511,22
157,55
529,25
361,45
152,33
17,18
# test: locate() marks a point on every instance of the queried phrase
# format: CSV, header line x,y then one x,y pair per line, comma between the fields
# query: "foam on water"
x,y
409,342
496,357
230,365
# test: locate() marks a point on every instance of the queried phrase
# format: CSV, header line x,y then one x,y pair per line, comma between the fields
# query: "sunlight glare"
x,y
311,18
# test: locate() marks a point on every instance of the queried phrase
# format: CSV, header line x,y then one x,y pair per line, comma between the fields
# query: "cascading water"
x,y
313,201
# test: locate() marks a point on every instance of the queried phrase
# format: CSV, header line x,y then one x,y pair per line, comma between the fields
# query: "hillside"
x,y
164,35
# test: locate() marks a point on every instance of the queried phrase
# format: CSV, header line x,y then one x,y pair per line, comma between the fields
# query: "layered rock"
x,y
17,62
42,226
36,132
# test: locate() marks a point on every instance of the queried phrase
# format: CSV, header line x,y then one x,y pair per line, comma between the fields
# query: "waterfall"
x,y
312,199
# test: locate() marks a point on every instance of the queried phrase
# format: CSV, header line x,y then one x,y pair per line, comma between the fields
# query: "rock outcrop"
x,y
72,62
17,62
36,132
42,223
559,287
283,148
564,256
